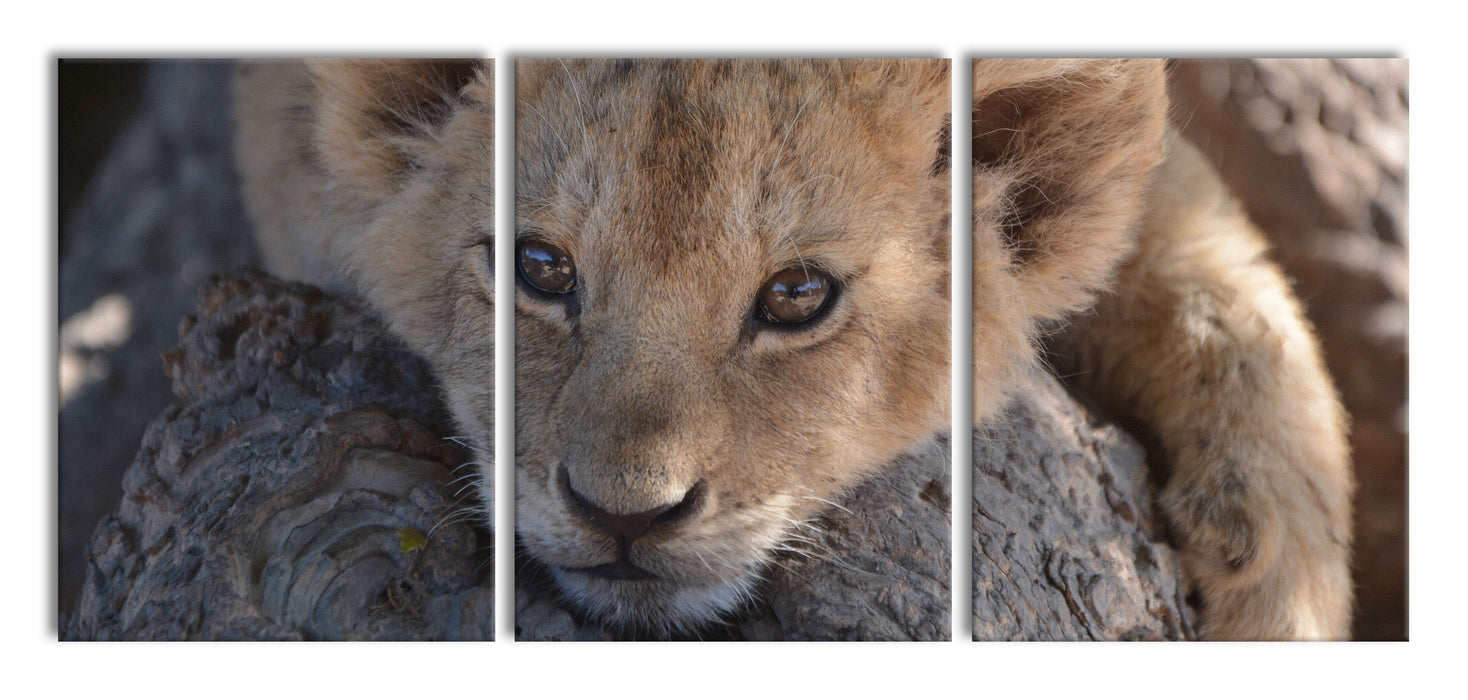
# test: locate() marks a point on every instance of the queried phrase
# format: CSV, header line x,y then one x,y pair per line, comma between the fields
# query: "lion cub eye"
x,y
795,295
546,268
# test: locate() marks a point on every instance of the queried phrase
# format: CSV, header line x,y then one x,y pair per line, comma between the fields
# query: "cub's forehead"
x,y
603,89
692,120
745,154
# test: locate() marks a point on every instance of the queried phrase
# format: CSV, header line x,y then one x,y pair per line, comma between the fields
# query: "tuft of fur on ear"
x,y
377,117
1063,153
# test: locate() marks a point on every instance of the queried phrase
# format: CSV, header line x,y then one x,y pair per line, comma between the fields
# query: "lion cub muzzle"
x,y
658,522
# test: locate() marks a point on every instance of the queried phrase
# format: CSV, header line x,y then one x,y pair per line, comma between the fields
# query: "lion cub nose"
x,y
626,527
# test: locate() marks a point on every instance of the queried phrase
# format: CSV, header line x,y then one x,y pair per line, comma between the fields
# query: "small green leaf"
x,y
409,539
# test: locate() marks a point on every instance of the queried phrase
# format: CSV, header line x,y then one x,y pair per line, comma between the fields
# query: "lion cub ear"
x,y
1063,153
376,118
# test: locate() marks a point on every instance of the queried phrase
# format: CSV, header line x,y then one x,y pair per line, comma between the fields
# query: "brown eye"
x,y
795,295
546,268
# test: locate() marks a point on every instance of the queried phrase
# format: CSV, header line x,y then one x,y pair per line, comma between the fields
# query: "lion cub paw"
x,y
1226,526
1266,566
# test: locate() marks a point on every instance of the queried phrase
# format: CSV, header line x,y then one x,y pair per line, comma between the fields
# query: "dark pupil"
x,y
547,267
795,295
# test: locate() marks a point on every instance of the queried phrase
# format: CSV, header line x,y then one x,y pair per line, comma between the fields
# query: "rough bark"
x,y
300,491
1066,545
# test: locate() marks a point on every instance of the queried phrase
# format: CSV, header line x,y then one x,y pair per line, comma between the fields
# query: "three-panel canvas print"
x,y
746,349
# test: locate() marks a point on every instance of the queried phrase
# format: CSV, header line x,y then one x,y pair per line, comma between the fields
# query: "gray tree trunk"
x,y
1066,543
300,490
303,489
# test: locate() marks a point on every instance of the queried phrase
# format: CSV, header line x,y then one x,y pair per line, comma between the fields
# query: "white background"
x,y
1426,32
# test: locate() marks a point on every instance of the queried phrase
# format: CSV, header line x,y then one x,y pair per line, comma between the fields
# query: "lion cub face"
x,y
732,304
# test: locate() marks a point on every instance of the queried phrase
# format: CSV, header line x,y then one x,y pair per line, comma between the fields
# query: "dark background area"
x,y
94,98
149,208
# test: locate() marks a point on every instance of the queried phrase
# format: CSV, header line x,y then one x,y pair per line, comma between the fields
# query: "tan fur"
x,y
679,187
1198,339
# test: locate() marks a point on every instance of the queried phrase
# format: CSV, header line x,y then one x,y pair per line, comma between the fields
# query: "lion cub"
x,y
732,300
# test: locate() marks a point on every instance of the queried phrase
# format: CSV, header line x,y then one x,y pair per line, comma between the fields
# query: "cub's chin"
x,y
654,607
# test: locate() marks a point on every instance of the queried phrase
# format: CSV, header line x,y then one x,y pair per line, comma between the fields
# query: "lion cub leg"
x,y
1204,345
